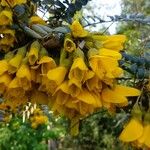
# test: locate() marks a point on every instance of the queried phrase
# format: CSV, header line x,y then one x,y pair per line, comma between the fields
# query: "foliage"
x,y
22,136
99,131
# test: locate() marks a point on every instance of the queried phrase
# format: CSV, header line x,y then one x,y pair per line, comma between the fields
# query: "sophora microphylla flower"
x,y
6,17
36,20
77,30
12,3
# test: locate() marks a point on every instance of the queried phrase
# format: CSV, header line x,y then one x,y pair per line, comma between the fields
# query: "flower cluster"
x,y
80,81
21,74
38,118
137,130
8,22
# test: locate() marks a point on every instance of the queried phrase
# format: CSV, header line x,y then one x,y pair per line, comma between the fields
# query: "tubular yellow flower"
x,y
36,75
69,45
74,87
113,71
94,83
33,54
130,134
55,77
47,63
12,3
78,69
111,96
15,102
8,39
86,97
6,17
85,109
101,66
14,90
71,103
63,87
6,31
3,66
36,20
97,66
147,141
15,62
43,83
118,94
113,42
126,91
5,79
59,100
144,139
110,53
77,30
98,101
24,76
39,97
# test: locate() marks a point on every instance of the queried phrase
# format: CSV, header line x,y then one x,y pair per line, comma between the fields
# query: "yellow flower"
x,y
78,69
24,76
126,91
43,83
3,66
147,141
101,66
6,31
36,20
12,3
85,109
8,39
63,87
87,97
97,66
36,75
110,53
5,79
144,139
14,89
33,54
74,87
93,83
59,100
6,17
77,30
15,62
55,77
69,45
118,94
46,63
113,42
15,102
39,97
132,131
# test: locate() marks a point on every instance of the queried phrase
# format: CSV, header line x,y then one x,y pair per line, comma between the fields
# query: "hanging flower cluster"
x,y
82,81
137,130
8,20
74,81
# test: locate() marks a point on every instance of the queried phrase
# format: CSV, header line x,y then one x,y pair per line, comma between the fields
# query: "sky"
x,y
103,9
